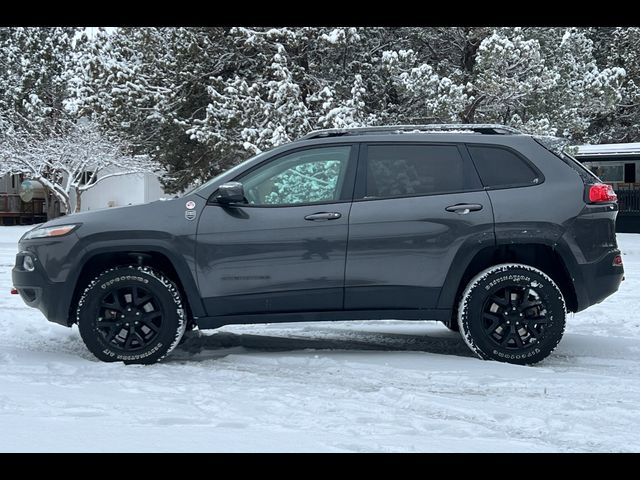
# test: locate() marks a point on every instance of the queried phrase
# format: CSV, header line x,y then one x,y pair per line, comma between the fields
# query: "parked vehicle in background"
x,y
477,226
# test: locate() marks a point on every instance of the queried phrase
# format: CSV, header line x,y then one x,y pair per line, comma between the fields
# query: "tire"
x,y
512,313
131,314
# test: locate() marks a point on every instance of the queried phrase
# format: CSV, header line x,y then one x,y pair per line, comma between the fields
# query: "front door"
x,y
283,250
416,206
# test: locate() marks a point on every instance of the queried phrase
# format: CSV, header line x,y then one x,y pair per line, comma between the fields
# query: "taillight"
x,y
601,193
617,261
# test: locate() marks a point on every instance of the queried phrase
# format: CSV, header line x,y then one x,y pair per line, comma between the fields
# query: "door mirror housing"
x,y
230,192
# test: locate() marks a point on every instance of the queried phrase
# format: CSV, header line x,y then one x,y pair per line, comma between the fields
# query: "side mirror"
x,y
230,192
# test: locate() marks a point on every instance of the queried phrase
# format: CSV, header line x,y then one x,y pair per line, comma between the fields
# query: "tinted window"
x,y
399,170
500,168
629,173
309,176
608,173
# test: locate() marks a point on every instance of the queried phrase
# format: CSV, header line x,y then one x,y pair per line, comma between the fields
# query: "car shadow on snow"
x,y
201,346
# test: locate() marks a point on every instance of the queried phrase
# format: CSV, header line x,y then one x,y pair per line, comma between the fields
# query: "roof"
x,y
618,149
484,129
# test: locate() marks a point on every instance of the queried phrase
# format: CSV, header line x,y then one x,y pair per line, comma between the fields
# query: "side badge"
x,y
190,214
190,205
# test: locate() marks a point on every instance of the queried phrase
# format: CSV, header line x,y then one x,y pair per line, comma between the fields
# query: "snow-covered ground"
x,y
339,387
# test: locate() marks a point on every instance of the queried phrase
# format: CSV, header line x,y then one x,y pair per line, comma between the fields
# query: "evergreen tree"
x,y
34,65
619,47
200,100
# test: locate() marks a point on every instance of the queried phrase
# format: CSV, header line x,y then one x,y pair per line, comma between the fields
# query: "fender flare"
x,y
469,252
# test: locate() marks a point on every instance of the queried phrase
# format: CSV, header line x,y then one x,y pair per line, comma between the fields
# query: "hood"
x,y
159,218
103,214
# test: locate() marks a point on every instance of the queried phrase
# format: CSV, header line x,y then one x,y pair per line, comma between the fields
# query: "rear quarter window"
x,y
502,168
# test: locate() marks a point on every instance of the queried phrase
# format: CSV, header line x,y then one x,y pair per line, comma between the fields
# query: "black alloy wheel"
x,y
512,313
514,317
131,314
129,318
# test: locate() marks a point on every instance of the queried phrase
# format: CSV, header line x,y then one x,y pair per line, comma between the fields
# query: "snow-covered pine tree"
x,y
144,83
33,75
200,100
544,80
618,47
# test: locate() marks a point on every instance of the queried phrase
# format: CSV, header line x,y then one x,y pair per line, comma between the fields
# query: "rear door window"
x,y
414,170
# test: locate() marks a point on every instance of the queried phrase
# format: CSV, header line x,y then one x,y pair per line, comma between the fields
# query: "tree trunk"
x,y
468,116
78,199
46,203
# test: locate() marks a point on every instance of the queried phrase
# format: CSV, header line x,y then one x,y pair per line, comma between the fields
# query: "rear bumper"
x,y
599,280
38,292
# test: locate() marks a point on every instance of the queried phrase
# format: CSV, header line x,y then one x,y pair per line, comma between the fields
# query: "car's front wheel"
x,y
131,314
512,313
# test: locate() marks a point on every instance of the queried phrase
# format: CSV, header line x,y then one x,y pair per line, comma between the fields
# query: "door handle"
x,y
323,216
464,208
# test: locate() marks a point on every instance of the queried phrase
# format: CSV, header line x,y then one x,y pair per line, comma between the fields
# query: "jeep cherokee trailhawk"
x,y
494,233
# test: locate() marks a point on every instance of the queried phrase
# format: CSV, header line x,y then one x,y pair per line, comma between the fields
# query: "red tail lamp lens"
x,y
602,193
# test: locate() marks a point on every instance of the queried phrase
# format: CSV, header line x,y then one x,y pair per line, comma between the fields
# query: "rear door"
x,y
415,207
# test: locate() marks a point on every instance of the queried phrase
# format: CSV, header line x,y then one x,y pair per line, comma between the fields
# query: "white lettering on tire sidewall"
x,y
123,278
139,356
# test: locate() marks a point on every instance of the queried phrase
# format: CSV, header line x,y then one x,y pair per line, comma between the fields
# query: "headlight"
x,y
47,232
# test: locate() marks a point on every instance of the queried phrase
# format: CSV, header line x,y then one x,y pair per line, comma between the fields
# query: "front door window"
x,y
304,177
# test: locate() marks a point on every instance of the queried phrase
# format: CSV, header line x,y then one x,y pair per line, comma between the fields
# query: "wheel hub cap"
x,y
514,317
129,318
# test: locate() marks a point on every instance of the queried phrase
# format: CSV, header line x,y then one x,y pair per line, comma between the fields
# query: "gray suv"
x,y
492,232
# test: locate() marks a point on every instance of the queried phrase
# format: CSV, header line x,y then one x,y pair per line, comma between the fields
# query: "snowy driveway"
x,y
359,386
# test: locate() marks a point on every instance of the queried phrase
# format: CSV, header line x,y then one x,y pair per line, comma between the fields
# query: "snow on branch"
x,y
72,162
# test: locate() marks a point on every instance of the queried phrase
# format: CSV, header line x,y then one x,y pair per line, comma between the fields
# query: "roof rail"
x,y
483,128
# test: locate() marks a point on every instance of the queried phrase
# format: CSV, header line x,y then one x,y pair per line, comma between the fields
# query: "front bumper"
x,y
39,292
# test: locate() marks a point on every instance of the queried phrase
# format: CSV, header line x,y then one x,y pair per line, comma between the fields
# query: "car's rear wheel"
x,y
512,313
131,314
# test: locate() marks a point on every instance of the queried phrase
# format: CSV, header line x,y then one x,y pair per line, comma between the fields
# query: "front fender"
x,y
178,250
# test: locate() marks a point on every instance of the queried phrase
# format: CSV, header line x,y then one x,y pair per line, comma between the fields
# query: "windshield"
x,y
229,172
